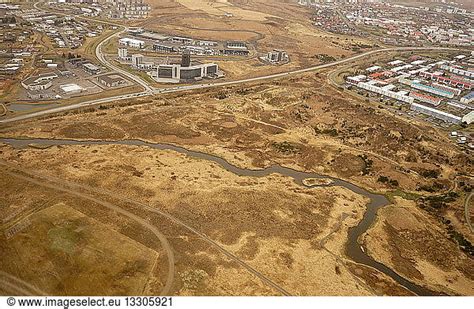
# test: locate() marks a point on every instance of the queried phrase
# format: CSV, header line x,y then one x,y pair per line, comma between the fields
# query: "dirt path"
x,y
17,285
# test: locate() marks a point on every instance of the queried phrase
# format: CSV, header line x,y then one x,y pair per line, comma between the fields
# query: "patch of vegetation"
x,y
221,95
430,173
435,204
388,181
405,195
434,187
325,58
367,164
331,132
286,147
463,243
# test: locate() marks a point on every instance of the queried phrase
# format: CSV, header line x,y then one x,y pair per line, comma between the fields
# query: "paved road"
x,y
153,91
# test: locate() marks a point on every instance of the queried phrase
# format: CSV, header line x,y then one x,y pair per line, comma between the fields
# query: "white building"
x,y
468,118
122,53
132,42
137,60
386,91
174,73
40,82
436,113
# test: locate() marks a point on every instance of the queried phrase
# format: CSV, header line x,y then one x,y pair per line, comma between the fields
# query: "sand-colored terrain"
x,y
284,231
422,254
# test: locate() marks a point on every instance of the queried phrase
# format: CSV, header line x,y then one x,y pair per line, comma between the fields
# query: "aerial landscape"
x,y
236,148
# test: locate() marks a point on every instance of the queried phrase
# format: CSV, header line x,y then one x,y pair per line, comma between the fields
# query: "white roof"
x,y
130,40
70,87
395,62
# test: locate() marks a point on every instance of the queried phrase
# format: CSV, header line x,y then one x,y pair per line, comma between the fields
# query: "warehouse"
x,y
433,112
91,68
468,118
132,42
111,80
40,82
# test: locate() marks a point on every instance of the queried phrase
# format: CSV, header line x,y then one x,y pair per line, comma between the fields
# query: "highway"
x,y
151,91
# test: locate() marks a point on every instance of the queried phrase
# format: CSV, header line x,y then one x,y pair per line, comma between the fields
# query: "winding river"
x,y
353,249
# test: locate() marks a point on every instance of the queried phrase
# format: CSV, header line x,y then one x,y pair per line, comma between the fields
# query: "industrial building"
x,y
436,113
111,80
40,82
132,42
91,68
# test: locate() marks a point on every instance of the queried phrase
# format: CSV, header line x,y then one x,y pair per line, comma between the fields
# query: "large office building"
x,y
122,53
185,71
175,73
